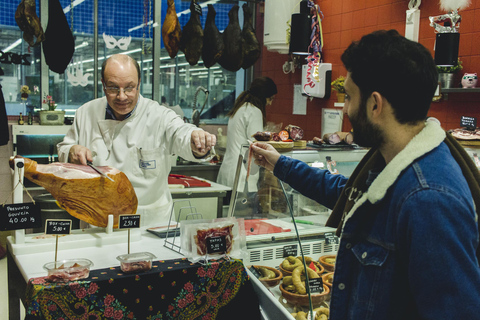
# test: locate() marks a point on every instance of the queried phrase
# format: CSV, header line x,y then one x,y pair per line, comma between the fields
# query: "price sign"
x,y
469,122
216,244
255,272
331,238
290,251
128,221
316,285
19,216
58,226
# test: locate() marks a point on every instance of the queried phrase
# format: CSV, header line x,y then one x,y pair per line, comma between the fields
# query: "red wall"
x,y
347,20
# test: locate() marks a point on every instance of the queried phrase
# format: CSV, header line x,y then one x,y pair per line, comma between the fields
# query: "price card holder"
x,y
331,238
216,244
316,285
58,226
290,251
468,122
128,221
19,216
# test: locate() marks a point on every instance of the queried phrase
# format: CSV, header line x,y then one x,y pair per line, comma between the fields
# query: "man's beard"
x,y
365,133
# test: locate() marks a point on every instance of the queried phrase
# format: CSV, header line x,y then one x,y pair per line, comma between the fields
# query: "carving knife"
x,y
90,164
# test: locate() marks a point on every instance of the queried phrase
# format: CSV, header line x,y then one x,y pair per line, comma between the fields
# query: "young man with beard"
x,y
406,217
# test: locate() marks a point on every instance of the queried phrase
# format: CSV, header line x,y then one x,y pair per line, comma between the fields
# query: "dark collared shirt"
x,y
110,115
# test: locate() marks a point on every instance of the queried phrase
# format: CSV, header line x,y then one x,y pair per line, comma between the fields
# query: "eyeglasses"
x,y
114,91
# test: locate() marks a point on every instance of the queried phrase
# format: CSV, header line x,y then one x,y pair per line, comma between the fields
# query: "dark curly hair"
x,y
401,70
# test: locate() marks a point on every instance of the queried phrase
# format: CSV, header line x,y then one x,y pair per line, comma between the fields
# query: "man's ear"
x,y
377,102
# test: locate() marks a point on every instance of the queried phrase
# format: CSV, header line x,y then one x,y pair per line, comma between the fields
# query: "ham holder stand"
x,y
23,243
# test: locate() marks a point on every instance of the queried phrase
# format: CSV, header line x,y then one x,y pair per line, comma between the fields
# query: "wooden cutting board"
x,y
300,144
281,146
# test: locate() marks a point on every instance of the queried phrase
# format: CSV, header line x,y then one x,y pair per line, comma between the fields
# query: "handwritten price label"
x,y
290,251
129,221
216,244
58,226
19,216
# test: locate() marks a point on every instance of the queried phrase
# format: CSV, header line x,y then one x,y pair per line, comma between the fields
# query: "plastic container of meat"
x,y
68,270
136,262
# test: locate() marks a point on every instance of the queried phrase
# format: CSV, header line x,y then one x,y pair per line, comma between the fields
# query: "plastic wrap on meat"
x,y
296,133
137,266
62,274
204,234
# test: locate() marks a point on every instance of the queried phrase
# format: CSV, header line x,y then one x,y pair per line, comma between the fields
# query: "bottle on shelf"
x,y
20,119
30,118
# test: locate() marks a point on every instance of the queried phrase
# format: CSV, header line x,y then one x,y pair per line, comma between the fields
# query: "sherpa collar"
x,y
425,141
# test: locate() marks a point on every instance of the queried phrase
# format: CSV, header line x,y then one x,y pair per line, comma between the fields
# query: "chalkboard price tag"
x,y
129,221
316,285
58,226
216,244
331,238
469,122
19,216
290,251
255,272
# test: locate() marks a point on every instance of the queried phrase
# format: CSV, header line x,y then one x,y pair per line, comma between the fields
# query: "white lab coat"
x,y
140,146
247,121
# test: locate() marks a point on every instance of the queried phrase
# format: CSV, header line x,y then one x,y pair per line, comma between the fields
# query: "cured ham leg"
x,y
232,57
213,46
251,47
191,42
171,30
83,192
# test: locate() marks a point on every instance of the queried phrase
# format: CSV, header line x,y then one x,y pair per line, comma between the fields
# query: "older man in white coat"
x,y
135,135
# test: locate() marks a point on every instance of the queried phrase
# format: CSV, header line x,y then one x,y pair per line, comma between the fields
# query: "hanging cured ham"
x,y
232,57
83,192
171,30
28,21
191,42
212,40
251,47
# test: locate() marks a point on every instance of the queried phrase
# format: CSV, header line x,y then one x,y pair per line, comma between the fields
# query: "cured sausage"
x,y
251,47
171,30
212,40
191,42
232,58
295,132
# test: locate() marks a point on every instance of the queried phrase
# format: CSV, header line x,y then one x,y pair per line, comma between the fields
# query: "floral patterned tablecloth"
x,y
172,289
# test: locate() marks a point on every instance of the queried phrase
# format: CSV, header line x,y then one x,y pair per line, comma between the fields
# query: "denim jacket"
x,y
407,248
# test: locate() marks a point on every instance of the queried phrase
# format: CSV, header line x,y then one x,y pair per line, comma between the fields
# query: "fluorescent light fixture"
x,y
13,45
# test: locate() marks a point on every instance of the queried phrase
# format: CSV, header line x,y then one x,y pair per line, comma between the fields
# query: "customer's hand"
x,y
202,142
265,155
79,155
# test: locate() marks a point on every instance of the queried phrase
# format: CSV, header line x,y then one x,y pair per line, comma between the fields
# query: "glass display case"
x,y
268,205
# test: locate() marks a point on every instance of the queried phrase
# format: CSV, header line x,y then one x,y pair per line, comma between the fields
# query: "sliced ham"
x,y
83,192
171,30
232,57
295,132
213,46
251,47
191,42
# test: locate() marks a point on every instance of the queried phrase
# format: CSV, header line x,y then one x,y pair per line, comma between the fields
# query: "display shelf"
x,y
446,91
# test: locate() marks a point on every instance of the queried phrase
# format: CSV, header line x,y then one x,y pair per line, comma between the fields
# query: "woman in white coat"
x,y
246,118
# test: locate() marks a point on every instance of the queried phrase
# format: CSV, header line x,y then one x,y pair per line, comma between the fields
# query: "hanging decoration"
x,y
111,42
79,78
316,46
447,31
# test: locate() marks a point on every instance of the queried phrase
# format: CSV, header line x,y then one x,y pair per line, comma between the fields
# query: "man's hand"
x,y
202,142
265,155
79,155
